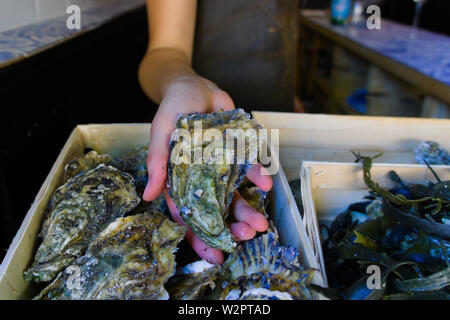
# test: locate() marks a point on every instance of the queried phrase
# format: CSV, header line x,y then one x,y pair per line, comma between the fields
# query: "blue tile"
x,y
425,51
27,40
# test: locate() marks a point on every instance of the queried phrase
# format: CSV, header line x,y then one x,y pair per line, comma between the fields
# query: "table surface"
x,y
17,44
427,53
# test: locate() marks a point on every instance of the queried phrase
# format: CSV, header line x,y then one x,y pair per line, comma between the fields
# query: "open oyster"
x,y
131,259
262,263
77,212
203,190
194,280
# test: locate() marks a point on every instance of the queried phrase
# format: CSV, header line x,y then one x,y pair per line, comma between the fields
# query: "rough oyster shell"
x,y
131,259
203,191
264,294
255,198
135,163
195,279
263,263
432,153
78,211
88,162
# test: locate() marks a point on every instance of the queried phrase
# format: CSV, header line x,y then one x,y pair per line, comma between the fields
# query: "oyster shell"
x,y
135,163
195,279
203,191
255,198
88,162
265,294
263,263
131,259
432,153
77,212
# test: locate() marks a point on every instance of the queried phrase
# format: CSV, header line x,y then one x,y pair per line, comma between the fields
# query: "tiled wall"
x,y
16,13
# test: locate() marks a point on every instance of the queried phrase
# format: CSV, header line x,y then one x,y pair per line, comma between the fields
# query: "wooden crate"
x,y
329,188
118,139
330,138
320,137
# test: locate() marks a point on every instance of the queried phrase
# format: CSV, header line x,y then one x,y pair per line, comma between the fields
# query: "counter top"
x,y
418,56
17,44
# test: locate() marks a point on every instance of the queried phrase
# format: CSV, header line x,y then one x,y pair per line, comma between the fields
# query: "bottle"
x,y
357,14
340,10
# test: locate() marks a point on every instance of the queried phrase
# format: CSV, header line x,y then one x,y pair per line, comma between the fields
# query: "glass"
x,y
417,12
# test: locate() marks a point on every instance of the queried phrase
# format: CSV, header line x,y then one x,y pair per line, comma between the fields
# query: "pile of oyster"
x,y
100,241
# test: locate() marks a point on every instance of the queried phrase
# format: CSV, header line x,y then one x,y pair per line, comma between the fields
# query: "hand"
x,y
190,94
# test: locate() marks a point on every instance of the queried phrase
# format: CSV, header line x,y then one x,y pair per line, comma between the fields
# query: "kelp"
x,y
402,231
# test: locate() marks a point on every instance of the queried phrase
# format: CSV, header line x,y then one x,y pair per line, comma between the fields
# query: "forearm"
x,y
171,33
159,68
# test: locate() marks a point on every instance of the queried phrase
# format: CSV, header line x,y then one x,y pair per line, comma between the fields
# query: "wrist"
x,y
160,68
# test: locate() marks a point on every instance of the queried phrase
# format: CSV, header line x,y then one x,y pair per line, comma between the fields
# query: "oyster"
x,y
135,163
203,191
195,279
265,294
131,259
78,211
88,162
157,205
432,153
255,198
263,263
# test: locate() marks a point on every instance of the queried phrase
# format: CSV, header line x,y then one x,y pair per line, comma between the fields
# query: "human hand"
x,y
190,94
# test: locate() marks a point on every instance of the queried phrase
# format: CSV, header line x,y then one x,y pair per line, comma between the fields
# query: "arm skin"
x,y
169,53
166,76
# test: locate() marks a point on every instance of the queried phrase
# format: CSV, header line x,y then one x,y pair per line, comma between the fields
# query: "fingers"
x,y
249,221
173,208
243,212
220,99
209,254
242,231
260,176
158,155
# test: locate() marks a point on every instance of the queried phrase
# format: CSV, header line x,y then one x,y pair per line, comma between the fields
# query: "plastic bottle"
x,y
340,10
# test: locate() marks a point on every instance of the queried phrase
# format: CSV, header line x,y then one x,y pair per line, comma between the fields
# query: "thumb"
x,y
158,155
